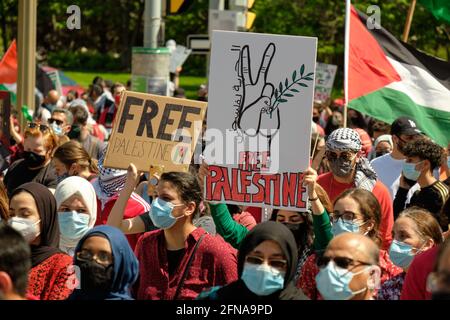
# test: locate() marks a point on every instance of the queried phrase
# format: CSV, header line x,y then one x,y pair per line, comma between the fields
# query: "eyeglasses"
x,y
58,122
346,155
274,263
438,279
341,262
42,127
103,258
346,216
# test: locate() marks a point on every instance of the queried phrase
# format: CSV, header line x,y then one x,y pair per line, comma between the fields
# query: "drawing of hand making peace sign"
x,y
255,111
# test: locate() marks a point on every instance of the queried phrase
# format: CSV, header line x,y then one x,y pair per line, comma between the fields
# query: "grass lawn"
x,y
189,83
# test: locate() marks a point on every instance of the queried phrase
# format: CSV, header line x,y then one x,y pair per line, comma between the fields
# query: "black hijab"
x,y
279,233
46,206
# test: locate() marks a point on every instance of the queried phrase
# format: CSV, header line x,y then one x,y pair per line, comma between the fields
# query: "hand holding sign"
x,y
203,172
132,177
256,95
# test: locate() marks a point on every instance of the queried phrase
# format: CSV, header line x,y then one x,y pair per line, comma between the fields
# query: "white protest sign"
x,y
178,57
325,74
260,101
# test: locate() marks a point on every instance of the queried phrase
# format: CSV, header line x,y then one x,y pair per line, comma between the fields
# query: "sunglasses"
x,y
102,258
341,262
346,155
42,127
274,263
58,122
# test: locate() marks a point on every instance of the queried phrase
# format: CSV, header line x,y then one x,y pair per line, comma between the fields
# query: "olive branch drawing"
x,y
282,93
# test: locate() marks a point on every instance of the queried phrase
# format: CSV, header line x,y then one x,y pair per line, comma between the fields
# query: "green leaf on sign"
x,y
288,95
310,74
276,93
302,70
281,87
286,83
294,90
307,78
282,100
294,75
302,84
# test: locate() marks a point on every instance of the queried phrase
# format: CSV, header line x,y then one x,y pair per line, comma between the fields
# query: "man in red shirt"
x,y
349,169
180,260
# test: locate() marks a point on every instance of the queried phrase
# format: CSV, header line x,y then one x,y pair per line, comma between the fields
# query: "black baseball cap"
x,y
406,126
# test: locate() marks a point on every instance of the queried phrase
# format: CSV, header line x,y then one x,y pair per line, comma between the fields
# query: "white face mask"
x,y
28,229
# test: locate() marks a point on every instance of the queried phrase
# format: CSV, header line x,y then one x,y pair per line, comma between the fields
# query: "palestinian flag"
x,y
8,65
387,78
439,8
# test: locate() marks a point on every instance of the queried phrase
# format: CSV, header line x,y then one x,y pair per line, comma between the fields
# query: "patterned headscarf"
x,y
346,139
110,181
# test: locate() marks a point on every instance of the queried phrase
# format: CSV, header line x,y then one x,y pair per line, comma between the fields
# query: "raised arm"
x,y
115,219
321,221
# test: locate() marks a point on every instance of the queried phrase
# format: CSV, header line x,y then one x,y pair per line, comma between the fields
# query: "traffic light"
x,y
177,6
245,18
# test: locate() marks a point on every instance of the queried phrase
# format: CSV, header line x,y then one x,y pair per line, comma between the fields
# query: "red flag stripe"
x,y
369,68
8,65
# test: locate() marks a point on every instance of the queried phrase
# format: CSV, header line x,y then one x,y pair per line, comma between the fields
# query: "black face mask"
x,y
316,119
75,132
341,167
95,277
32,159
292,226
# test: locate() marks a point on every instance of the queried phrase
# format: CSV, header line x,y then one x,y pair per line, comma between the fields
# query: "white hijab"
x,y
83,188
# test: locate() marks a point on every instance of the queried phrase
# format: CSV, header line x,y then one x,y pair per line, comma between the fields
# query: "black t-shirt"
x,y
174,257
148,223
18,174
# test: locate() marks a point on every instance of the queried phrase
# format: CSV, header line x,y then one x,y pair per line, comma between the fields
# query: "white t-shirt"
x,y
389,171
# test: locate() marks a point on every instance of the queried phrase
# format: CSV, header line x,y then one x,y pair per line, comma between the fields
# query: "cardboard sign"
x,y
261,91
154,130
178,57
325,74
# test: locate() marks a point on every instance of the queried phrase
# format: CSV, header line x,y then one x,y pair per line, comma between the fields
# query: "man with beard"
x,y
349,169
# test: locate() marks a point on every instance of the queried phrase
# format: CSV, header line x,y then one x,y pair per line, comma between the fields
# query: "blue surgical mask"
x,y
340,227
57,129
410,172
261,279
73,225
333,282
401,254
161,213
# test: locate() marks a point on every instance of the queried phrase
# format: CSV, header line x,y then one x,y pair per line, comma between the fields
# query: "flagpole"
x,y
346,57
409,21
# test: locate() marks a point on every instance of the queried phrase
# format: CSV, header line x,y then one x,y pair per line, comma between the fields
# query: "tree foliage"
x,y
112,27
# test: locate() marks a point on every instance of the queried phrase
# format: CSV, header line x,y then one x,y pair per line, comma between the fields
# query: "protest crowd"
x,y
366,218
376,227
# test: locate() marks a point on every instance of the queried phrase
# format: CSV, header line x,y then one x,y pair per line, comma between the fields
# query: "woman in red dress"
x,y
33,214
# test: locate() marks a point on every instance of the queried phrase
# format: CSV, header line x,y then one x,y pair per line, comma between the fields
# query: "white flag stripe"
x,y
420,86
